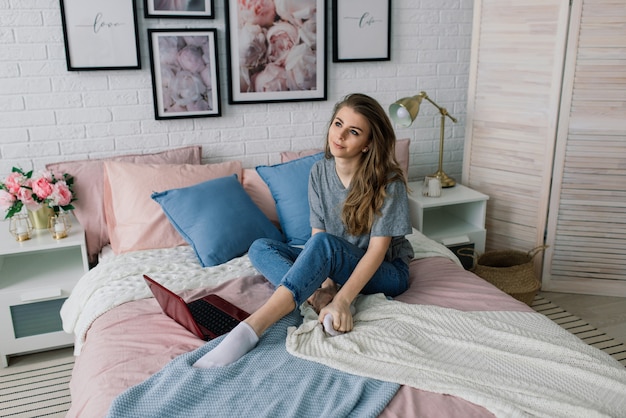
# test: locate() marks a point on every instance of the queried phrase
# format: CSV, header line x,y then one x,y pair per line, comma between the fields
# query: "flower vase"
x,y
40,217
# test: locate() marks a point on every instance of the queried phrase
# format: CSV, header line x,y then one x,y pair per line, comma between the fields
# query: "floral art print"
x,y
276,50
179,8
184,73
179,5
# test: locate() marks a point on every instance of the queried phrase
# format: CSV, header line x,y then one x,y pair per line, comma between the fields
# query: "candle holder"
x,y
20,227
59,225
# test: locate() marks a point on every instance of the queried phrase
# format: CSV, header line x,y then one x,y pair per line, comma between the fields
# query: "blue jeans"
x,y
303,270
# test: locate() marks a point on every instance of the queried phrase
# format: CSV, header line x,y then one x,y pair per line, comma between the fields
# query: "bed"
x,y
452,345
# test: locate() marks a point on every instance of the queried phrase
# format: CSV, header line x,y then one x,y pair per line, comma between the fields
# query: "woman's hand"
x,y
340,311
339,308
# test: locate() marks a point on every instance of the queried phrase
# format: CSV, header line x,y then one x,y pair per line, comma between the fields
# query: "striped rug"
x,y
41,389
37,389
580,328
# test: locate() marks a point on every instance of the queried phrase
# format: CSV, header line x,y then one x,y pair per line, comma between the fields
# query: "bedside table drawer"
x,y
31,326
36,318
28,314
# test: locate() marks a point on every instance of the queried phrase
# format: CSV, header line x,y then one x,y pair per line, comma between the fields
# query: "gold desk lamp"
x,y
404,111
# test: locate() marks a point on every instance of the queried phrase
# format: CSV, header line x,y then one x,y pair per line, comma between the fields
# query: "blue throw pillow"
x,y
217,218
289,185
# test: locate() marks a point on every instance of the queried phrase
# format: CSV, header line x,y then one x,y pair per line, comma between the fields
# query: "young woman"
x,y
359,216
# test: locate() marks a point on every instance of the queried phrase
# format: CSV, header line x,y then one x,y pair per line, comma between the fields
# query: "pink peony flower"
x,y
190,59
207,52
256,12
252,46
187,88
198,41
26,197
61,194
42,187
206,77
168,50
168,74
6,199
296,11
15,181
301,68
281,38
272,78
308,33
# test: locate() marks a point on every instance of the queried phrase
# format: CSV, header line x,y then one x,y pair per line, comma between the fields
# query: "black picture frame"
x,y
292,67
184,84
361,30
100,35
195,9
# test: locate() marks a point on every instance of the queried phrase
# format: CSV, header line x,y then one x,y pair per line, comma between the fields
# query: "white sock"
x,y
234,346
328,326
328,323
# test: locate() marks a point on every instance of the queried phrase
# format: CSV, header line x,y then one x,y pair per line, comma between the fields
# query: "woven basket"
x,y
510,271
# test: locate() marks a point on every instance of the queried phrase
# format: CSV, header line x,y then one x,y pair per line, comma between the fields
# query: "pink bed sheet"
x,y
135,340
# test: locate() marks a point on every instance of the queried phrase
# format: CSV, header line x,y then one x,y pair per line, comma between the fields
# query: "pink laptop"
x,y
207,317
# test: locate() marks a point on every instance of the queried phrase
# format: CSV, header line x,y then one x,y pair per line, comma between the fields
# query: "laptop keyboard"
x,y
212,318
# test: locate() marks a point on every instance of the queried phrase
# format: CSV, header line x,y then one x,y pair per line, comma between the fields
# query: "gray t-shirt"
x,y
327,196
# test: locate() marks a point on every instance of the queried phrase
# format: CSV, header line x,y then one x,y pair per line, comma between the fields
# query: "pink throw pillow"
x,y
89,188
402,155
134,220
254,185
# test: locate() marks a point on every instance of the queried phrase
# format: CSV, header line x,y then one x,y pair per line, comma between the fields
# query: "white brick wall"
x,y
49,114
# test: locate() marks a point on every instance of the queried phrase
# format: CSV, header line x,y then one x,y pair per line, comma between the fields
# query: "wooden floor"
x,y
607,314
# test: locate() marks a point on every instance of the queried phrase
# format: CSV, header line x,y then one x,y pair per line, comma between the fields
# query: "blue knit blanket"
x,y
267,382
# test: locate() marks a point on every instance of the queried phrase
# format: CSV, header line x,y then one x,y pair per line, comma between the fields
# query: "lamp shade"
x,y
404,111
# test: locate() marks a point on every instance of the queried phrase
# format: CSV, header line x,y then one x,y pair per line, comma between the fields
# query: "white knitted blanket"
x,y
515,364
118,279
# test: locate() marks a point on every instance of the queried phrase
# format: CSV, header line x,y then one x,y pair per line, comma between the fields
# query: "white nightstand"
x,y
36,276
456,217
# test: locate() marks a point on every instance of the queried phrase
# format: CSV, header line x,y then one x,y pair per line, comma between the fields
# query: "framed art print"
x,y
100,34
361,30
185,73
194,9
276,50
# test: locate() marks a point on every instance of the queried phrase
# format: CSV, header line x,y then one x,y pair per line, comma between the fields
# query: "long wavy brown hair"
x,y
378,167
